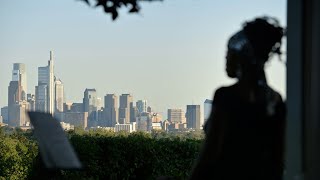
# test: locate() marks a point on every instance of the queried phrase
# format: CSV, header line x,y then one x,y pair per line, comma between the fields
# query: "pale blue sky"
x,y
172,53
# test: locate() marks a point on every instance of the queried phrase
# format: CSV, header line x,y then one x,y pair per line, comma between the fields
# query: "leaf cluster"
x,y
112,6
17,154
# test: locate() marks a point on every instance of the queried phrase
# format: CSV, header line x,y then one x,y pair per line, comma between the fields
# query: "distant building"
x,y
124,127
156,126
78,119
90,100
5,114
31,99
90,106
14,97
124,108
141,106
18,116
59,95
149,109
176,116
110,110
1,119
112,129
156,117
144,122
165,125
19,74
41,97
67,106
177,126
45,91
99,103
193,117
76,107
207,109
133,112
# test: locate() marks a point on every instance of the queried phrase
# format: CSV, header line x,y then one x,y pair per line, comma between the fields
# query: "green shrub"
x,y
135,156
105,155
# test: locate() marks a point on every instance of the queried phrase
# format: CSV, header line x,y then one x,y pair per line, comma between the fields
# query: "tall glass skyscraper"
x,y
124,109
141,106
19,74
45,91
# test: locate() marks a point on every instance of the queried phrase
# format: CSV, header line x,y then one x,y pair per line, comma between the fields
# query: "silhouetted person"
x,y
245,131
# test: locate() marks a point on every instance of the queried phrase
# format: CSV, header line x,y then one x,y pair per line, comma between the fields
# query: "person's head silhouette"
x,y
251,47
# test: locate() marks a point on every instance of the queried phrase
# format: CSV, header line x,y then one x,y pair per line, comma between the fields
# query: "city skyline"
x,y
179,58
116,113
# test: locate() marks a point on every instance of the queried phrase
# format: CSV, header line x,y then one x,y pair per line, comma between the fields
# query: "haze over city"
x,y
165,54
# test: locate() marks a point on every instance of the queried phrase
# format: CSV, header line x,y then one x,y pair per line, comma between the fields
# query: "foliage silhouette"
x,y
112,6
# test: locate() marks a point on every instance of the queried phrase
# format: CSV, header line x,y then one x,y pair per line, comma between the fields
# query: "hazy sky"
x,y
172,53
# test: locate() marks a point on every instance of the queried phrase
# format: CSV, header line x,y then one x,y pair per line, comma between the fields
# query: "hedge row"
x,y
136,156
113,156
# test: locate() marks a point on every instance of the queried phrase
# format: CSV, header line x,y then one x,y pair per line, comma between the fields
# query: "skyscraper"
x,y
110,110
51,88
193,117
5,114
176,116
59,95
17,107
14,97
45,91
41,97
133,112
19,74
31,100
124,109
90,105
141,106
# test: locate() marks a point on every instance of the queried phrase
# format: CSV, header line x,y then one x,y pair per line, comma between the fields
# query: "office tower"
x,y
176,116
110,110
14,93
59,95
90,106
19,74
14,97
90,100
41,97
5,114
124,109
78,119
31,99
51,84
99,103
207,109
144,121
67,106
193,117
141,106
45,91
19,117
76,107
133,112
149,110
